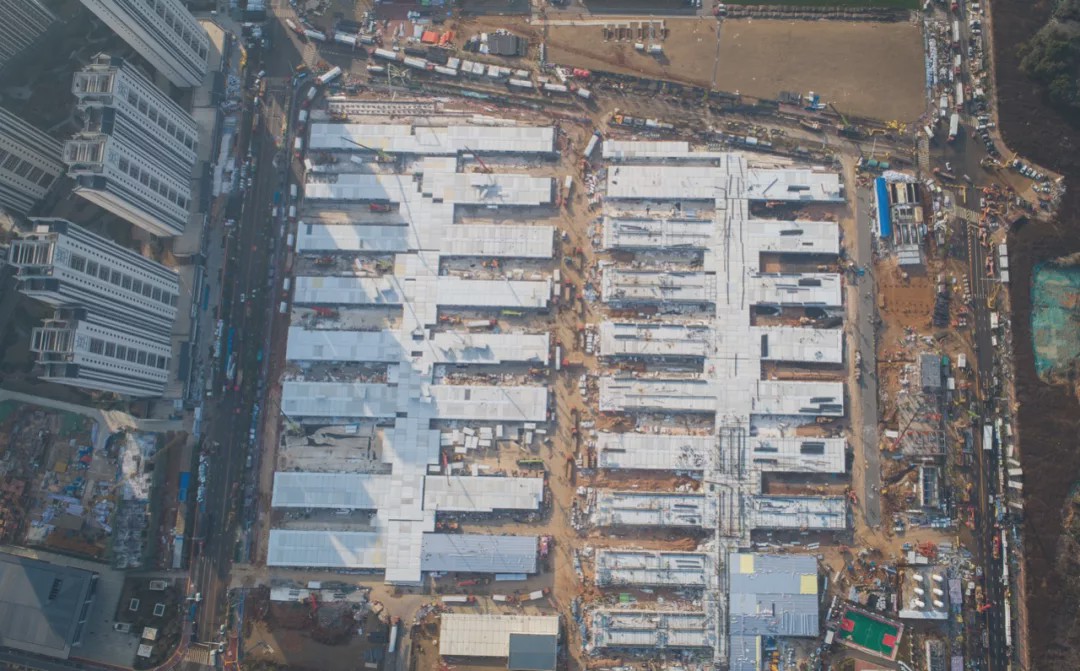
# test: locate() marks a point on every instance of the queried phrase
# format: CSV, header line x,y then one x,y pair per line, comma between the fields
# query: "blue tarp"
x,y
185,483
884,217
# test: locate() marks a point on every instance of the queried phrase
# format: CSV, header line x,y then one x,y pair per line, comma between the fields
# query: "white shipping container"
x,y
346,39
584,93
385,54
520,84
594,142
443,70
414,62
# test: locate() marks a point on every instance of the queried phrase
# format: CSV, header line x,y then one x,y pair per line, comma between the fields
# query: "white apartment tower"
x,y
136,153
103,293
24,21
75,349
29,162
163,32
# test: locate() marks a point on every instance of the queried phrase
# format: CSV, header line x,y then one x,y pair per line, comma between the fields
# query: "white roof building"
x,y
488,635
420,228
801,345
619,285
655,568
656,630
432,140
650,451
657,395
384,290
804,289
653,509
655,340
450,347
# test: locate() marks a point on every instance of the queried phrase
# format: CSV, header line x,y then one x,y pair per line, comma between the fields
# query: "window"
x,y
143,107
172,300
91,267
11,162
35,175
103,273
124,165
156,294
121,352
153,115
142,358
154,183
77,263
46,180
147,290
136,286
115,277
132,355
172,129
126,282
189,143
97,346
110,350
132,98
145,179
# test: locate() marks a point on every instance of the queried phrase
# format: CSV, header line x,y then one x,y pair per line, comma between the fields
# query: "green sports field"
x,y
873,635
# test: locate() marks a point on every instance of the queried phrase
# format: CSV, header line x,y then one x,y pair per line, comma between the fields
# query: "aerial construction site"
x,y
549,375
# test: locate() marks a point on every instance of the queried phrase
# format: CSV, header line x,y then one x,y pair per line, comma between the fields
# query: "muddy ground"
x,y
1049,417
761,58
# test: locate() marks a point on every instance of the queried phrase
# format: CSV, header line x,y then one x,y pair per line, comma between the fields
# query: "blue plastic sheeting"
x,y
185,483
884,216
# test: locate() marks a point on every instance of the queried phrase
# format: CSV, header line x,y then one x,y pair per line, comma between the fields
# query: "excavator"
x,y
847,129
483,167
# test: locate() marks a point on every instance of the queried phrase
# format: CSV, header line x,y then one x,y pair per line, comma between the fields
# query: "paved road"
x,y
865,334
997,655
246,303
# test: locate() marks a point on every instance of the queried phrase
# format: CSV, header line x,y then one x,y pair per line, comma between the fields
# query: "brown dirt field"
x,y
761,58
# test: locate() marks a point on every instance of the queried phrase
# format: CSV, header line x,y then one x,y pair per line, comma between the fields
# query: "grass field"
x,y
870,634
886,4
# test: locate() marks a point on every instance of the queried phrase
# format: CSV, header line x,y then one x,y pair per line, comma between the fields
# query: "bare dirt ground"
x,y
761,58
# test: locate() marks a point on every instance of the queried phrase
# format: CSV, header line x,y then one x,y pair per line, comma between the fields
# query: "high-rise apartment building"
x,y
136,152
29,162
115,309
163,32
75,349
24,21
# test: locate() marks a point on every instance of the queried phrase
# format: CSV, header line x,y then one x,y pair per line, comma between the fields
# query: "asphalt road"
x,y
248,298
864,331
997,656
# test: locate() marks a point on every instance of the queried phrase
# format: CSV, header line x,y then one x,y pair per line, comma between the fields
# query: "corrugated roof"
x,y
42,605
478,553
533,652
485,635
772,595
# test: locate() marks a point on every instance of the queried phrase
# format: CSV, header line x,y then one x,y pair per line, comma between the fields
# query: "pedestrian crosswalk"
x,y
199,654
